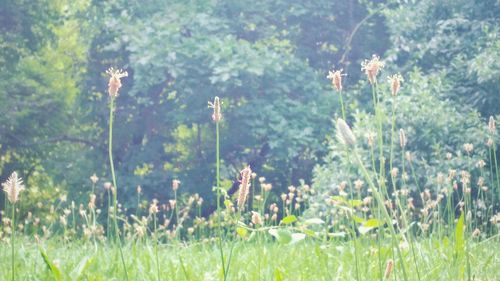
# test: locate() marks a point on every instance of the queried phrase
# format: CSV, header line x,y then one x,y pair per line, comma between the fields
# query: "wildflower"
x,y
492,126
175,184
449,155
402,138
244,186
388,269
344,133
256,219
394,172
372,67
358,184
468,147
480,164
92,201
408,156
172,203
395,81
107,185
267,187
153,209
12,187
139,189
115,83
283,196
336,77
489,142
94,178
370,137
216,116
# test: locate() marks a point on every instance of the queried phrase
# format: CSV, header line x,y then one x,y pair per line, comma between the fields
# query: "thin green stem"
x,y
112,166
380,201
217,171
156,247
341,100
12,240
393,124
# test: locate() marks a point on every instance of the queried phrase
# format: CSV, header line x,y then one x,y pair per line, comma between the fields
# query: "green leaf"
x,y
227,203
355,203
459,235
296,237
53,268
282,235
278,275
81,268
339,199
364,229
309,232
358,219
314,221
289,219
373,223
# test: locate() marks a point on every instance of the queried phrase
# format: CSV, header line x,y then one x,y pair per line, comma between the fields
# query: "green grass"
x,y
305,260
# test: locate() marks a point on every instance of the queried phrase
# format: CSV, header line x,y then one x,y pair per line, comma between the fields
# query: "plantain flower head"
x,y
492,128
372,68
217,115
395,82
12,187
114,84
175,184
336,77
402,138
344,133
245,174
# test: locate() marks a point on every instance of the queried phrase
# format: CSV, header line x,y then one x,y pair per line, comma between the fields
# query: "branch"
x,y
347,47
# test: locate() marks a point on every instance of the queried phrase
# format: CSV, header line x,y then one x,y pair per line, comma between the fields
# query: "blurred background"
x,y
266,60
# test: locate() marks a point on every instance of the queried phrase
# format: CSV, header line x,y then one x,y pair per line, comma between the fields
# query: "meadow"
x,y
370,231
249,140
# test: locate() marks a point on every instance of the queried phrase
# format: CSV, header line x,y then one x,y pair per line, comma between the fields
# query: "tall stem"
x,y
156,247
393,124
217,171
12,235
380,201
341,100
112,166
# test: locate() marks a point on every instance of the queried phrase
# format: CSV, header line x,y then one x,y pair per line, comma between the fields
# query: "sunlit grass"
x,y
305,260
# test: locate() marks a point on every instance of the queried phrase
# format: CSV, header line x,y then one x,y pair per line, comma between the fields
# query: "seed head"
x,y
336,77
358,184
344,133
12,187
468,147
388,269
245,174
94,178
107,185
395,81
256,218
153,209
217,115
402,138
492,128
114,84
370,138
175,184
372,68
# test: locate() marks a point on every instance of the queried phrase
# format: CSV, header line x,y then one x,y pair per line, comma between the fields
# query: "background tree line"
x,y
267,60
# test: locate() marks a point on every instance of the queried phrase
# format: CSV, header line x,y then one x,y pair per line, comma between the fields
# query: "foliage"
x,y
457,39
